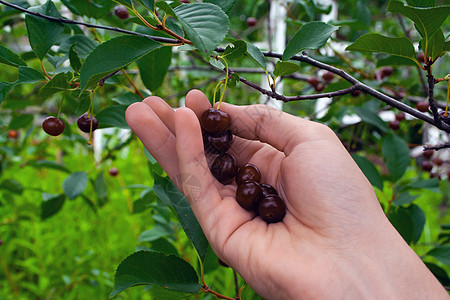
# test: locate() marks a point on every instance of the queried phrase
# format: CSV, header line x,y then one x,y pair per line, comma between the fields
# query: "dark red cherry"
x,y
272,209
428,153
13,134
422,106
53,126
427,165
248,194
438,161
394,124
328,76
355,93
313,81
421,57
267,189
400,116
251,21
121,12
248,172
215,121
217,144
224,168
113,171
84,123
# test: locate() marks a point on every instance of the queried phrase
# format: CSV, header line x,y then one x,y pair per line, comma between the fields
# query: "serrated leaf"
x,y
153,67
29,75
371,117
257,55
12,185
369,170
393,60
50,164
427,20
216,63
114,55
113,115
91,9
164,6
373,42
5,87
149,267
284,68
75,62
149,4
436,44
75,184
429,184
51,204
127,99
225,5
57,84
312,35
172,197
396,156
42,33
422,3
21,121
233,80
441,253
127,3
10,58
83,45
205,25
404,198
101,188
418,218
158,231
238,50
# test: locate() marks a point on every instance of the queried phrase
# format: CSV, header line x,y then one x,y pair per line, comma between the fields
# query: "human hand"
x,y
334,242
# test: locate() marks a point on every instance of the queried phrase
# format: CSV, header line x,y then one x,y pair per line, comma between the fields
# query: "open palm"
x,y
332,210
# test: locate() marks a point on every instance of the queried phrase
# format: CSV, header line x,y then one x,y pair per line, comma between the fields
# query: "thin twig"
x,y
439,147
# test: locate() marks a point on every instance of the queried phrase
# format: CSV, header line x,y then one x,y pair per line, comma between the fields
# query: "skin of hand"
x,y
334,242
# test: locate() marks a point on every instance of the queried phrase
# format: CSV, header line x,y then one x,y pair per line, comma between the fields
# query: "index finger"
x,y
272,126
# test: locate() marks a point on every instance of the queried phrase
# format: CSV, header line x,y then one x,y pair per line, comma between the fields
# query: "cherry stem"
x,y
144,20
448,97
45,72
60,105
136,90
225,83
215,90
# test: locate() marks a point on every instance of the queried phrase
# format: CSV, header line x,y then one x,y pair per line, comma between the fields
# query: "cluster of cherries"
x,y
55,126
251,194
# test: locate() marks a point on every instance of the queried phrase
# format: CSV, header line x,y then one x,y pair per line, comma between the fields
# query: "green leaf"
x,y
205,25
371,117
10,58
429,184
312,35
284,68
236,51
42,33
101,188
128,98
83,45
169,194
422,3
427,20
127,3
75,184
21,121
442,254
393,60
369,170
153,67
114,55
91,9
12,185
396,156
51,204
164,6
373,42
75,62
158,231
418,217
225,5
149,267
113,116
57,84
257,55
404,198
29,75
234,79
436,44
50,164
5,87
149,4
